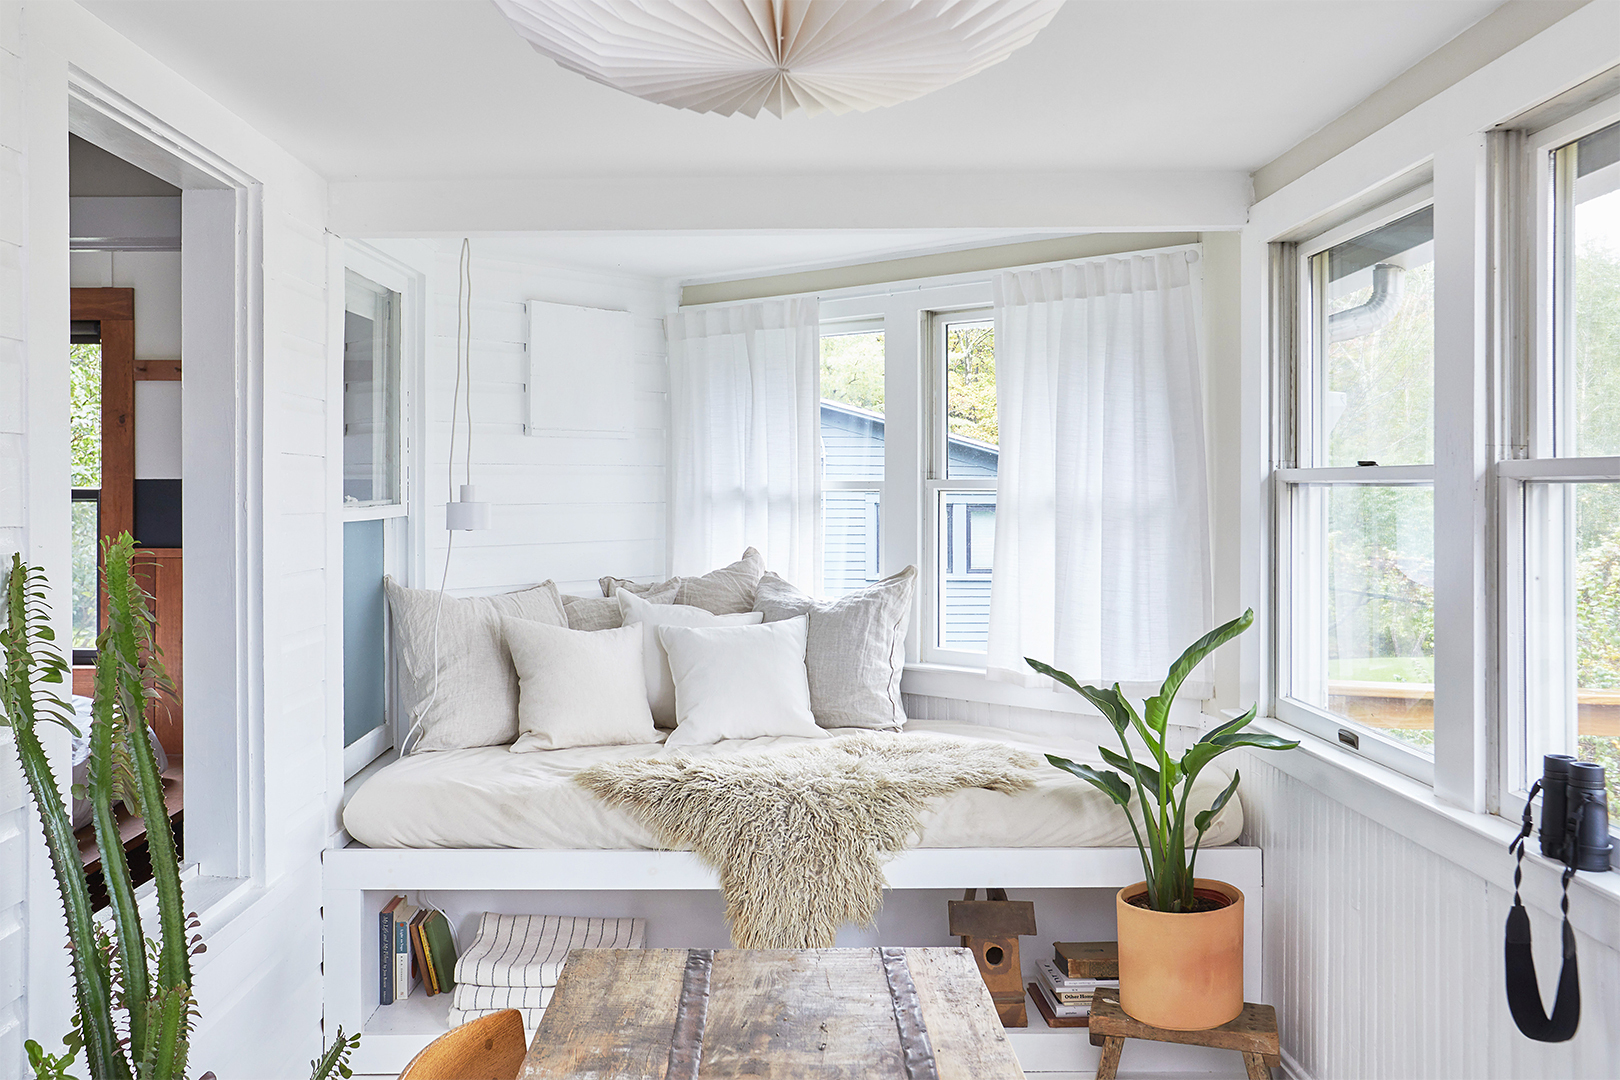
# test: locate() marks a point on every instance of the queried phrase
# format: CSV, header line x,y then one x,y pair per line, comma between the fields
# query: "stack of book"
x,y
415,948
516,960
1063,987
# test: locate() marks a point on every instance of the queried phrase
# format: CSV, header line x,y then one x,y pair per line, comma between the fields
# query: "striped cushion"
x,y
529,950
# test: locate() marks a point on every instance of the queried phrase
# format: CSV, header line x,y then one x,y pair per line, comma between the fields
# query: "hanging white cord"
x,y
463,321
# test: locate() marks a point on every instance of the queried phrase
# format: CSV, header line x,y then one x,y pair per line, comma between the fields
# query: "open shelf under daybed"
x,y
358,880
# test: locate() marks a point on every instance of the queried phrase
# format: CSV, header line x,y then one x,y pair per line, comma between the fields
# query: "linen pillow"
x,y
739,682
660,685
726,591
856,649
577,687
602,612
477,699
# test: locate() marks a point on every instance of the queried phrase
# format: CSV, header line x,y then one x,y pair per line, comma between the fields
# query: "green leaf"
x,y
1257,739
1053,673
1111,784
1231,725
1144,774
1158,708
1202,819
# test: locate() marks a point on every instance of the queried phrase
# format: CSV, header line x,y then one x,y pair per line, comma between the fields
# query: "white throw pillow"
x,y
739,682
578,687
725,591
477,697
856,649
649,617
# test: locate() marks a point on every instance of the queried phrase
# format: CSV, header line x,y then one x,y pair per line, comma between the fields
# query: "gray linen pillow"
x,y
477,699
602,612
855,651
726,591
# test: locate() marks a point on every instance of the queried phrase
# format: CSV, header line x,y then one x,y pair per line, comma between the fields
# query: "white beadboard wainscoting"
x,y
1383,956
567,508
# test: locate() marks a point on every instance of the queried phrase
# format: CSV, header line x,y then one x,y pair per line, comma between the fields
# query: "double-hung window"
x,y
853,438
1560,500
1355,530
964,449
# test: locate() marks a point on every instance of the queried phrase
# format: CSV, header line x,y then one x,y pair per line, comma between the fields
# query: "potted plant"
x,y
133,996
1180,936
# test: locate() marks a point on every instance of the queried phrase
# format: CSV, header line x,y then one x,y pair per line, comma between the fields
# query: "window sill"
x,y
1476,842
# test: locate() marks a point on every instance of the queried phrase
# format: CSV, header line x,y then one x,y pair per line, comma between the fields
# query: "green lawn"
x,y
1406,669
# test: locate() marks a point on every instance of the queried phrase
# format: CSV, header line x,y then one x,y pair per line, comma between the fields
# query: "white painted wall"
x,y
569,509
258,985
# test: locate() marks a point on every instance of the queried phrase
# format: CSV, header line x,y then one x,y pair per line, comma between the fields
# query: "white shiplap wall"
x,y
258,985
1384,959
569,509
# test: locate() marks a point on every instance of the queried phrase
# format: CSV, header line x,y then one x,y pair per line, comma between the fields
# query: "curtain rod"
x,y
940,281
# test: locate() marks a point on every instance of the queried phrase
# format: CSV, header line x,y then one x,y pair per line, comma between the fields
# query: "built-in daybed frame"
x,y
357,881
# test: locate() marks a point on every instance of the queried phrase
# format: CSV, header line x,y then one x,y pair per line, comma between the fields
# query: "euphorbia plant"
x,y
1163,786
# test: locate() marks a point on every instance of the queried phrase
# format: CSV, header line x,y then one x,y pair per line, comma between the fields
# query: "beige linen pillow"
x,y
660,683
577,687
855,651
477,699
739,682
602,612
726,591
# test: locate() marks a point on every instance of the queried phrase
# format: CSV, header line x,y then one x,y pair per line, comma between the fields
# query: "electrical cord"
x,y
463,355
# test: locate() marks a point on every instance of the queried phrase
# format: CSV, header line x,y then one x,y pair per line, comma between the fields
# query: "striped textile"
x,y
531,1017
529,950
472,998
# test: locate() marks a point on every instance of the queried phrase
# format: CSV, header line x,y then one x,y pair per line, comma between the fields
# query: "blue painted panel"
x,y
364,691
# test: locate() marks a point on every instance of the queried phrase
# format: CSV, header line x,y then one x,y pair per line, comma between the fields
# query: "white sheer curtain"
x,y
1102,520
745,451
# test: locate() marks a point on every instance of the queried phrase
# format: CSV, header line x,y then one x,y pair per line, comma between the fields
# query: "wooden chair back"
x,y
489,1048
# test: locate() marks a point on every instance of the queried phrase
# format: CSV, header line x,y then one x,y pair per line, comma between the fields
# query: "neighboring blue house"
x,y
852,444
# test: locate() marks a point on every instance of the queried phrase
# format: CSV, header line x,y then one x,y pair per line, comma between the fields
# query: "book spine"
x,y
402,960
385,953
429,976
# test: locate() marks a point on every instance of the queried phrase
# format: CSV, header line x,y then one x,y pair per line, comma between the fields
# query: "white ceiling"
x,y
444,89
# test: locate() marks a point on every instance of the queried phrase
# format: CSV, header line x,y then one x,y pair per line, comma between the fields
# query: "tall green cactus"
x,y
110,977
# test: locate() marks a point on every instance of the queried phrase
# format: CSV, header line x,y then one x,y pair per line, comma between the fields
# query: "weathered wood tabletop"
x,y
701,1014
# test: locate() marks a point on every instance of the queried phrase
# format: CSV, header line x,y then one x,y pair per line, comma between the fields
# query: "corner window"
x,y
1356,565
965,445
371,427
852,447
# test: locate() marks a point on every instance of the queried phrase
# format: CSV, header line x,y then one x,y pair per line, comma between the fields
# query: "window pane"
x,y
364,666
1363,643
370,394
1590,354
1573,611
852,406
850,524
86,581
84,396
1373,386
967,545
972,434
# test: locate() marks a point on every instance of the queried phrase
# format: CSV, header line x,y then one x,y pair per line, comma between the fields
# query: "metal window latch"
x,y
1366,463
1350,738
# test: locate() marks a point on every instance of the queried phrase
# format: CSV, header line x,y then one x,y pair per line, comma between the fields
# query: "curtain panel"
x,y
745,443
1102,561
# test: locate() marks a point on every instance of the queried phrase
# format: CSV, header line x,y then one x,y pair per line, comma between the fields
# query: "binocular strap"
x,y
1523,989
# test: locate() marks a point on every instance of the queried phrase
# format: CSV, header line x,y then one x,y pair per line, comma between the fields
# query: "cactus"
x,y
113,980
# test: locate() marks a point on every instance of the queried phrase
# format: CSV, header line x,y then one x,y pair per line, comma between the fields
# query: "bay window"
x,y
962,484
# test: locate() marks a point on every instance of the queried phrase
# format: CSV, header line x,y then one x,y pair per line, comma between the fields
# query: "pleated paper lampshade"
x,y
741,56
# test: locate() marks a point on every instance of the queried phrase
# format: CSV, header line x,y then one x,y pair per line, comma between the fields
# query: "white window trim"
x,y
1294,419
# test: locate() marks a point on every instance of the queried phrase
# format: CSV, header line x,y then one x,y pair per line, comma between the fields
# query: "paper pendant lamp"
x,y
741,56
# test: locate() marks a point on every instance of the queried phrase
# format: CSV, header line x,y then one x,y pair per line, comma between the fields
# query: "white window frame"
x,y
937,483
402,526
1295,419
1531,423
867,324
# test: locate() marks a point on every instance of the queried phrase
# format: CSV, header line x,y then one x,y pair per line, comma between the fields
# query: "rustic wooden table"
x,y
713,1014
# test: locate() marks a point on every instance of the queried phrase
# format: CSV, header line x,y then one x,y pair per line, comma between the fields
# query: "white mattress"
x,y
490,797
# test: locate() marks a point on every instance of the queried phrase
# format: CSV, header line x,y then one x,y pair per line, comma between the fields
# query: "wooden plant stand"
x,y
1253,1034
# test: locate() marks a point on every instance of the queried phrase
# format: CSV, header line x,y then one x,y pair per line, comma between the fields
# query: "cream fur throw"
x,y
799,836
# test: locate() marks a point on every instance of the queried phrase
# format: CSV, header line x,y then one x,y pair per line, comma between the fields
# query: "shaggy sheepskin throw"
x,y
799,836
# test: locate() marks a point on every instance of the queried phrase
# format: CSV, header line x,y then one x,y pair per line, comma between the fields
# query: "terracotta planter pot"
x,y
1183,972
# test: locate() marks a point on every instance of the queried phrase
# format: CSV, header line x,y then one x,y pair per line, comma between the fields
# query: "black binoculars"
x,y
1574,813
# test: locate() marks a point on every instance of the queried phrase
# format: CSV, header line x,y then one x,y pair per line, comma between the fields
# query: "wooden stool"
x,y
1253,1034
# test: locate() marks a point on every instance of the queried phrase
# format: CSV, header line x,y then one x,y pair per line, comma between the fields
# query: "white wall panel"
x,y
1384,959
569,509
